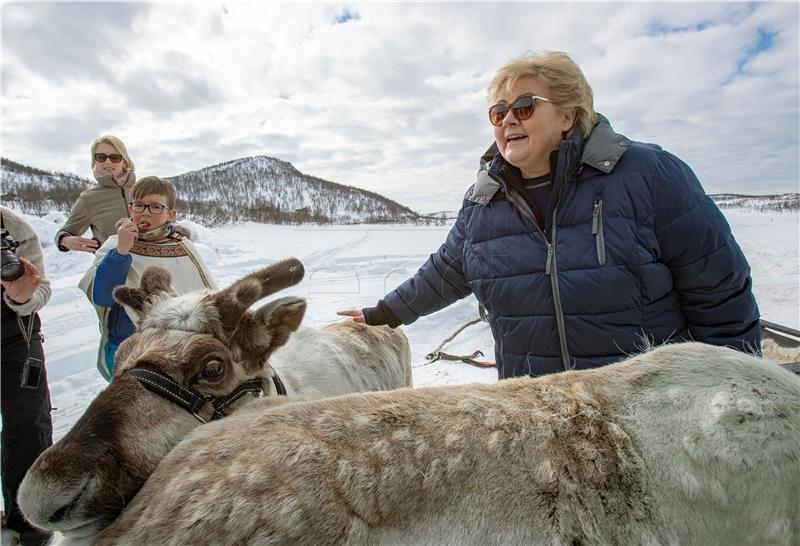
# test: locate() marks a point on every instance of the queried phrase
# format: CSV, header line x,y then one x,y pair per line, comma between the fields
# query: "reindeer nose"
x,y
60,513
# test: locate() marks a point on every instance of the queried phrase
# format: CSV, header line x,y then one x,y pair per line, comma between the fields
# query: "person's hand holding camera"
x,y
81,244
126,236
21,289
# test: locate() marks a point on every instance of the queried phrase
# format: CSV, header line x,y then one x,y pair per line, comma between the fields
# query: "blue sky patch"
x,y
346,16
766,39
660,29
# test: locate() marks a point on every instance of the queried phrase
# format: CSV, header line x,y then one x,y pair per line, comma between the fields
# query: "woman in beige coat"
x,y
99,207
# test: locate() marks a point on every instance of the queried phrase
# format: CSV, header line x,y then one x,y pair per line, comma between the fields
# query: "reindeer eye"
x,y
212,369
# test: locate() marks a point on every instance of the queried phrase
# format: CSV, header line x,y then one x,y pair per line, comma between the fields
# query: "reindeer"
x,y
196,358
685,444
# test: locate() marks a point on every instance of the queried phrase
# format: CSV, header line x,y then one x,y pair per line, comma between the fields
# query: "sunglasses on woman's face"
x,y
523,108
154,208
101,158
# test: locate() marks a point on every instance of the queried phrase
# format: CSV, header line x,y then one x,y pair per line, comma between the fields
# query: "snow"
x,y
353,266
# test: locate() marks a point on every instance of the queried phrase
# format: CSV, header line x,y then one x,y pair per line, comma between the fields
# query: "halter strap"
x,y
192,400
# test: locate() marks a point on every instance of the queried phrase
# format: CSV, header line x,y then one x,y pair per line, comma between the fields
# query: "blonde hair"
x,y
153,185
117,144
568,88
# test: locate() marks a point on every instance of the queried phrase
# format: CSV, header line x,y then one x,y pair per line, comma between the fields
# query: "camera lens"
x,y
12,269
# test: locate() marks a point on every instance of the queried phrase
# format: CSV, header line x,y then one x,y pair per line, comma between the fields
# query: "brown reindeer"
x,y
195,358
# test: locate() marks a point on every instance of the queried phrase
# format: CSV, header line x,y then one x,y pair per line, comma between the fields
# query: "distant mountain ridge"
x,y
268,190
36,191
260,189
782,201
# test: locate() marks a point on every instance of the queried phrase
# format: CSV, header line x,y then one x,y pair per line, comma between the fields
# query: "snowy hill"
x,y
268,190
35,191
259,189
780,202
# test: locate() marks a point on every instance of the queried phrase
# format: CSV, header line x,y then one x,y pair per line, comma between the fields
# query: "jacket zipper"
x,y
597,230
553,271
550,265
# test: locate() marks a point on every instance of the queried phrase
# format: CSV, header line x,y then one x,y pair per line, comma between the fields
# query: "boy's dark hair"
x,y
153,185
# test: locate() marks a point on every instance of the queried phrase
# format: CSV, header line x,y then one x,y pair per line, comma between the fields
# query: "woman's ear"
x,y
568,120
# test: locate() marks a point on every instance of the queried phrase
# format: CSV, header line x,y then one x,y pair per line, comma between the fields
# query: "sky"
x,y
391,97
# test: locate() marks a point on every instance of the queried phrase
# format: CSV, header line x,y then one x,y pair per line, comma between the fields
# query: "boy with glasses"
x,y
148,238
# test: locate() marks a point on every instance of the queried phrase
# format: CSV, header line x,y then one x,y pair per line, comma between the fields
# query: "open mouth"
x,y
516,138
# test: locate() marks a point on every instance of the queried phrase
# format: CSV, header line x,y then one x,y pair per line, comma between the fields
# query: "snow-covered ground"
x,y
353,266
346,266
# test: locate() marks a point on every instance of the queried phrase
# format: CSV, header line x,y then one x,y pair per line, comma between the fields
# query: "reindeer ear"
x,y
261,332
281,317
156,279
232,302
130,297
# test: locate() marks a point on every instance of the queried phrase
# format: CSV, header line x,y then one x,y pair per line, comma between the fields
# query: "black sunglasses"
x,y
523,108
101,158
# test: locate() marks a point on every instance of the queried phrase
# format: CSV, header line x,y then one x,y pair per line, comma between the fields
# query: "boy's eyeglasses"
x,y
523,108
101,158
154,208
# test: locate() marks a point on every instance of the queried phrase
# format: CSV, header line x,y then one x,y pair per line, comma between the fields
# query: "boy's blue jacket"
x,y
636,254
111,272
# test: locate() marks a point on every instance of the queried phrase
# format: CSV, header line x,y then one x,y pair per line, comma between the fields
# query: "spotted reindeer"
x,y
685,444
196,358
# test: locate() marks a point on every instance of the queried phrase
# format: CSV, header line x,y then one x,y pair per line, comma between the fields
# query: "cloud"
x,y
392,97
67,40
163,91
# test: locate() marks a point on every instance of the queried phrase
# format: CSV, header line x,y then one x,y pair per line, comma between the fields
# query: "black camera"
x,y
12,269
31,373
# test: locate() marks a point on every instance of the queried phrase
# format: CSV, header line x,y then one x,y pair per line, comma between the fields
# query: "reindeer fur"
x,y
686,444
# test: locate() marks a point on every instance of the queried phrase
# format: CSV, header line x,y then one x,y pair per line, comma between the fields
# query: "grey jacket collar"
x,y
604,147
601,151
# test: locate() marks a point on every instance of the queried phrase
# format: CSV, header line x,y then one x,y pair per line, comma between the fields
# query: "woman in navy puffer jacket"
x,y
583,246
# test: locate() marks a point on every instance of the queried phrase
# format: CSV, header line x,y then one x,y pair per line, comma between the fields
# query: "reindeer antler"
x,y
232,302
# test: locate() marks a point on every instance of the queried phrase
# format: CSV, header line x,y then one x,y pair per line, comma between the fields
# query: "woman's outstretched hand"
x,y
356,314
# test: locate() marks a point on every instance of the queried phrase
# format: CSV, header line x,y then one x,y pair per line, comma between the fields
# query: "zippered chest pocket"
x,y
597,230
